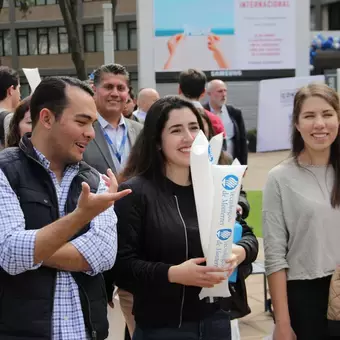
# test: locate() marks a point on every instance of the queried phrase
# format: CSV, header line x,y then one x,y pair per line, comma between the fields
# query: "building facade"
x,y
325,15
39,38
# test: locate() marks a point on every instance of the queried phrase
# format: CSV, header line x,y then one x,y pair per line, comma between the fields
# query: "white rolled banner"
x,y
236,162
216,190
215,148
33,77
227,180
203,186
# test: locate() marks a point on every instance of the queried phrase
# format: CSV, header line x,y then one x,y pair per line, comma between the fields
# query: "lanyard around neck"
x,y
116,152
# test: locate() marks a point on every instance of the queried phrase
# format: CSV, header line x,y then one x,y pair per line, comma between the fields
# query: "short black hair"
x,y
50,94
116,69
8,78
192,83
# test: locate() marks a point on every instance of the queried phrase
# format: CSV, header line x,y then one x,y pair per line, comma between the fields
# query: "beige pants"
x,y
126,303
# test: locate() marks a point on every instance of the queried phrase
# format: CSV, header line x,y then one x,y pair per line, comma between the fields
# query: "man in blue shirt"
x,y
57,222
115,134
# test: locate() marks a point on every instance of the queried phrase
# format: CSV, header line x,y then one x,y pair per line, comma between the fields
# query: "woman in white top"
x,y
301,218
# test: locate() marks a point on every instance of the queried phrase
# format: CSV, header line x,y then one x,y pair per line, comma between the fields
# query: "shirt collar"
x,y
196,103
223,109
140,114
104,123
46,163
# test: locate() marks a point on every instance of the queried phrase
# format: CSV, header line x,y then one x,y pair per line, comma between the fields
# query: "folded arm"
x,y
249,243
21,249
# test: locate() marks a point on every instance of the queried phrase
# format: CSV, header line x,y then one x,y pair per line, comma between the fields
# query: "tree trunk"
x,y
69,11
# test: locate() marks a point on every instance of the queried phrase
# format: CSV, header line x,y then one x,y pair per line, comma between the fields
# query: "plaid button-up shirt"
x,y
98,246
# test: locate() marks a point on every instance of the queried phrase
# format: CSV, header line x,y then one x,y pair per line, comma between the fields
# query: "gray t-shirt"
x,y
301,230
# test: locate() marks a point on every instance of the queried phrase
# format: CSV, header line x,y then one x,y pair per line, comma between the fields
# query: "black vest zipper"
x,y
92,331
58,216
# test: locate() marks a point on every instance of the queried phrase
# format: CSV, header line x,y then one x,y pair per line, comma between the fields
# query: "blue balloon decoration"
x,y
91,76
323,43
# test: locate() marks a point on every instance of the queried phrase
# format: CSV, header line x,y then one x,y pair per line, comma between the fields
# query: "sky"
x,y
200,14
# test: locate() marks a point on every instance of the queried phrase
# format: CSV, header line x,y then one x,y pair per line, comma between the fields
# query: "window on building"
x,y
334,16
93,38
38,2
132,36
63,40
122,36
46,40
125,37
312,18
24,90
5,43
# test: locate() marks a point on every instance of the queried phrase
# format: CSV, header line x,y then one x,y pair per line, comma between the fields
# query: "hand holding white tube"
x,y
190,273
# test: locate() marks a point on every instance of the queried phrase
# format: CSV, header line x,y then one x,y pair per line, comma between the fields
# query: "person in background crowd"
x,y
160,252
237,145
20,124
115,135
130,106
146,97
57,223
192,87
301,210
9,99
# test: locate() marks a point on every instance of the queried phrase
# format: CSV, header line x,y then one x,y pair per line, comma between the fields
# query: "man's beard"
x,y
222,102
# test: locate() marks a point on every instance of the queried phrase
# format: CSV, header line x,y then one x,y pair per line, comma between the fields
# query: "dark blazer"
x,y
98,154
240,139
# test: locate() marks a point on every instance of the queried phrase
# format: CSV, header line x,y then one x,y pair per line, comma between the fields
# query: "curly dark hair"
x,y
14,136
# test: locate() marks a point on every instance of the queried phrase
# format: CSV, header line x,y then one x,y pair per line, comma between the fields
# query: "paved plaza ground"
x,y
258,324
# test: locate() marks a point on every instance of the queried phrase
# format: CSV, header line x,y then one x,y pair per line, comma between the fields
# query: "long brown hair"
x,y
146,157
14,136
331,97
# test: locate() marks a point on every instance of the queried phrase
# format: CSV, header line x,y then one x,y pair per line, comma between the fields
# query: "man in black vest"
x,y
57,223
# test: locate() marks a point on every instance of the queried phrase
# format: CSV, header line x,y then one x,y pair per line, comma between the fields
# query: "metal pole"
x,y
302,40
108,34
145,31
337,83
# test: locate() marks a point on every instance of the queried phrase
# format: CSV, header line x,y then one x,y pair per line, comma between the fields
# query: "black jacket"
x,y
151,238
27,299
240,139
